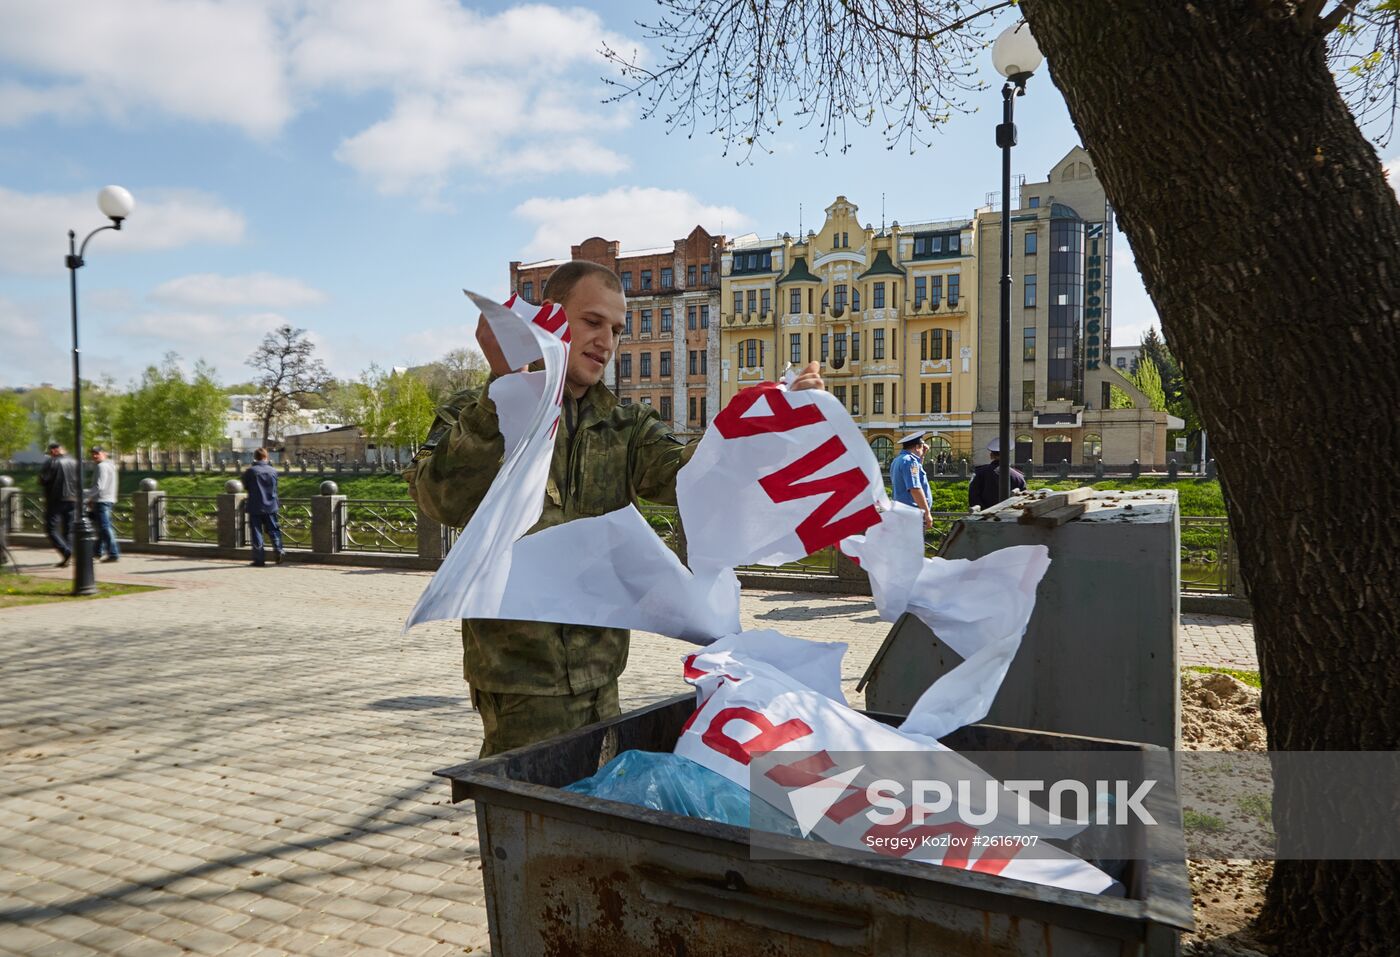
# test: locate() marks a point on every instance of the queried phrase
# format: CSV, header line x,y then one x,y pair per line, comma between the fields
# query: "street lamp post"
x,y
1015,56
116,204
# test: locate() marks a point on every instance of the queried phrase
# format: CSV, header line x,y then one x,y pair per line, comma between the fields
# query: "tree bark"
x,y
1269,242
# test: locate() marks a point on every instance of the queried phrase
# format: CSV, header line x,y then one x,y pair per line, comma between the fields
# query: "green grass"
x,y
1196,821
1258,806
1195,496
18,590
1250,678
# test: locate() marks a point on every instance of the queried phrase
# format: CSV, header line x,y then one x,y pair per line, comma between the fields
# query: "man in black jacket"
x,y
59,478
260,482
984,491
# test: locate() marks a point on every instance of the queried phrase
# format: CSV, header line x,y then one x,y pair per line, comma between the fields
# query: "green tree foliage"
x,y
1149,383
168,412
15,432
1173,380
457,370
411,410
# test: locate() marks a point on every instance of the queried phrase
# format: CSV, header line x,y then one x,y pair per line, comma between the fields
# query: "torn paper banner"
x,y
528,406
750,708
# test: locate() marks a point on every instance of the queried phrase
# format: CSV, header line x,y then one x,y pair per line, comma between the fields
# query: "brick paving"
x,y
241,763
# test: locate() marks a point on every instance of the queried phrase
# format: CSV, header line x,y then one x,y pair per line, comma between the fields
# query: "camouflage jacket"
x,y
605,456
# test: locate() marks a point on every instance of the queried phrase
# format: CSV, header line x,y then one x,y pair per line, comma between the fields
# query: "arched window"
x,y
1093,447
1056,448
1024,446
934,460
883,449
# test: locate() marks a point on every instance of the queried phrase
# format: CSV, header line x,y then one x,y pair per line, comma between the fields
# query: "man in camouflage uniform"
x,y
533,680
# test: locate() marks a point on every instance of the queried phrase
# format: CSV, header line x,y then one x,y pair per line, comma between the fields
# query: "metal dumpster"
x,y
572,875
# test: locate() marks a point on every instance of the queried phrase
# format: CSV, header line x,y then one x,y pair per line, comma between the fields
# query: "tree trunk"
x,y
1269,242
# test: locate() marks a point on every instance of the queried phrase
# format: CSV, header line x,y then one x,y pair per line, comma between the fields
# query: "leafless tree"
x,y
1228,136
287,373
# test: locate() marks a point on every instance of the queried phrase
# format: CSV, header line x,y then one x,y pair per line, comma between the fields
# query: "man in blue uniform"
x,y
983,491
908,480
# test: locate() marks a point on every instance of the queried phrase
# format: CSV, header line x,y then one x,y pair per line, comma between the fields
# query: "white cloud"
x,y
428,345
34,226
196,59
470,90
636,216
209,290
223,339
1133,311
30,354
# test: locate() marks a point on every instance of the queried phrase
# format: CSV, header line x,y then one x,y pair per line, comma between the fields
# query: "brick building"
x,y
668,355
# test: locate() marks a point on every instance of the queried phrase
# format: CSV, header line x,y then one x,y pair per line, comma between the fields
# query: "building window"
x,y
879,346
624,370
877,399
703,416
936,397
690,317
626,400
795,302
646,400
646,278
1121,362
1093,447
766,297
855,300
690,281
1033,202
795,348
1030,291
692,408
753,300
527,291
877,294
704,362
883,449
839,298
754,350
738,302
920,291
935,289
693,366
646,365
838,355
705,273
826,339
646,322
1031,240
954,289
1028,344
627,281
855,347
704,317
665,320
668,278
665,363
840,392
954,242
1027,395
846,240
855,399
627,323
666,408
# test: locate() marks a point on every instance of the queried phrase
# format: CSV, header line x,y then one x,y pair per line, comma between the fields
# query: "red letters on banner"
x,y
733,424
811,770
817,530
770,737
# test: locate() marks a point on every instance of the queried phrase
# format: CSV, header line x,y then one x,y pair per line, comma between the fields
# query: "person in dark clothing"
x,y
59,478
983,491
260,482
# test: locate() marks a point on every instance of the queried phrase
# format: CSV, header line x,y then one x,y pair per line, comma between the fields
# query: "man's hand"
x,y
928,519
491,349
810,377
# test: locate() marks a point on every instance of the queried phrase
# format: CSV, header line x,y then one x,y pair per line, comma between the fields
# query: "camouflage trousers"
x,y
515,720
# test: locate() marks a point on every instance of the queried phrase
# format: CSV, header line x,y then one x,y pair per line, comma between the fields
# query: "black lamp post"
x,y
1015,56
116,204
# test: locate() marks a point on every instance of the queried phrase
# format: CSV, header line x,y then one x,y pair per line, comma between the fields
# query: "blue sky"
x,y
350,165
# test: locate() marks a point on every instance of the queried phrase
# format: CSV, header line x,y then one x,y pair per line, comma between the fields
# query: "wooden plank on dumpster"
x,y
1055,517
1059,500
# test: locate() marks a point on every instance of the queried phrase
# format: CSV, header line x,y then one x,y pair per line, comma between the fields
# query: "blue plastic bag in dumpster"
x,y
668,782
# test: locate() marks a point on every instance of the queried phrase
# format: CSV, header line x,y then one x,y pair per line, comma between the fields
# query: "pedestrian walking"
x,y
59,478
102,498
260,482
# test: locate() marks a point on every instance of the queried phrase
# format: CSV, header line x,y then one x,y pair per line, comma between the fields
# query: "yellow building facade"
x,y
889,313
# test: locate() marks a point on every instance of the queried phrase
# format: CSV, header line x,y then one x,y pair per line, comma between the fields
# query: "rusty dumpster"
x,y
568,875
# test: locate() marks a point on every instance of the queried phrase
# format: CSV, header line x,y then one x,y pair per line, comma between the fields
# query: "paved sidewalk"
x,y
241,764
